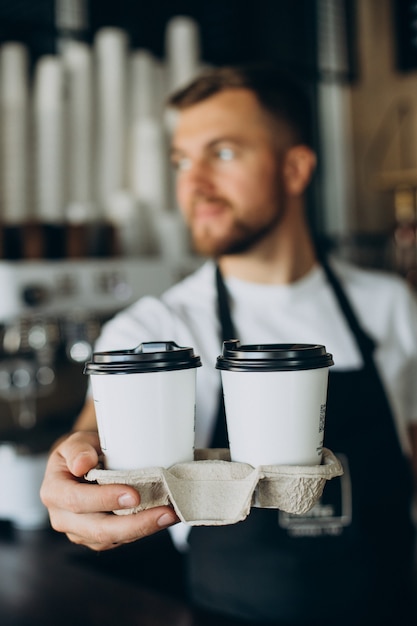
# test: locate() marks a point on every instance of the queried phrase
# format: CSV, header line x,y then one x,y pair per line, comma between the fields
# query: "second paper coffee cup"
x,y
275,401
145,404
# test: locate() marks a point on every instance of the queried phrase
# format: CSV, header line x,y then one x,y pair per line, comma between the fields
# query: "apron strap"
x,y
220,437
227,328
365,344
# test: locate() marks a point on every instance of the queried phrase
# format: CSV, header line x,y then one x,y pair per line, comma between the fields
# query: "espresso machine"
x,y
50,316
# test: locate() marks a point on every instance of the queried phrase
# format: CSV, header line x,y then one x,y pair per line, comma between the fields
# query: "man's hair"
x,y
278,94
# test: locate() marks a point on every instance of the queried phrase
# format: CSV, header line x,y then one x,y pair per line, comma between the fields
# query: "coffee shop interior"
x,y
89,223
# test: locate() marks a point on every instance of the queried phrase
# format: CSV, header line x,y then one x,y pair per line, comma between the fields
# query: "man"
x,y
244,160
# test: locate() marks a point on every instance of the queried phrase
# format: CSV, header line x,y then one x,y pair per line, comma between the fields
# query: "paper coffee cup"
x,y
145,404
275,401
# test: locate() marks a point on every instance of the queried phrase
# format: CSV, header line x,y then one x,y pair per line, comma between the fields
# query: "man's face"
x,y
229,188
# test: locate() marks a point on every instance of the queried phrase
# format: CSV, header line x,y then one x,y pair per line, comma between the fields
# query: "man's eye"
x,y
182,164
226,154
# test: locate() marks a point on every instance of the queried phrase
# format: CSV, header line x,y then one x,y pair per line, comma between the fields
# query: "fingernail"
x,y
127,500
167,519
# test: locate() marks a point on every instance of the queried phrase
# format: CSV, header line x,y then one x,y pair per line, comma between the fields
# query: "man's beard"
x,y
242,238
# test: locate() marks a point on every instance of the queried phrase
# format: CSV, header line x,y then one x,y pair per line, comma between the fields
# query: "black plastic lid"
x,y
152,356
272,357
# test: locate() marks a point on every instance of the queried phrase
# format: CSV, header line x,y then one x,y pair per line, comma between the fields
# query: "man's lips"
x,y
208,209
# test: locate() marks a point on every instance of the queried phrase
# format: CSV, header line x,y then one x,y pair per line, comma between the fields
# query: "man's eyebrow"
x,y
224,139
177,151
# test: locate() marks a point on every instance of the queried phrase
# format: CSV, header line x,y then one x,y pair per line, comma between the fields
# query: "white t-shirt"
x,y
303,312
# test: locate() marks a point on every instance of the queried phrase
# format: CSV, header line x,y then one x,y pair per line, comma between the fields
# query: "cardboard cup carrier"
x,y
145,406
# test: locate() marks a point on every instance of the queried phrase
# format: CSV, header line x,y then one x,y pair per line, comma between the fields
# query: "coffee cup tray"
x,y
214,491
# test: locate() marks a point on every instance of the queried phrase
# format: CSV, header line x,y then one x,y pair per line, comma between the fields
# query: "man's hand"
x,y
83,510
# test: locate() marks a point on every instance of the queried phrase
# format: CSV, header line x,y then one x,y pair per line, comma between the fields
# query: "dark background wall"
x,y
232,31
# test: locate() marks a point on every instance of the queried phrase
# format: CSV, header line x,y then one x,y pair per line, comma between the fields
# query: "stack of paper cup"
x,y
14,125
49,140
111,48
182,48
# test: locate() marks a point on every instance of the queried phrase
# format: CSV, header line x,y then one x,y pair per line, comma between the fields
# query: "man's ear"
x,y
298,167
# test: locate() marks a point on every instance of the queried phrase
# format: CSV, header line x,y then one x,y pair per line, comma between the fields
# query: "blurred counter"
x,y
46,580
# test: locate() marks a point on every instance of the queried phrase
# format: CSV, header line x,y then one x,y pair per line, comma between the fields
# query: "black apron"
x,y
349,560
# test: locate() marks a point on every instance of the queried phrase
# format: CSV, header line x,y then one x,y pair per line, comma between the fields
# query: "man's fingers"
x,y
63,489
80,452
84,510
90,498
106,531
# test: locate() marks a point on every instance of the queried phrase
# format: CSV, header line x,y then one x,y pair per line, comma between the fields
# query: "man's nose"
x,y
199,177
